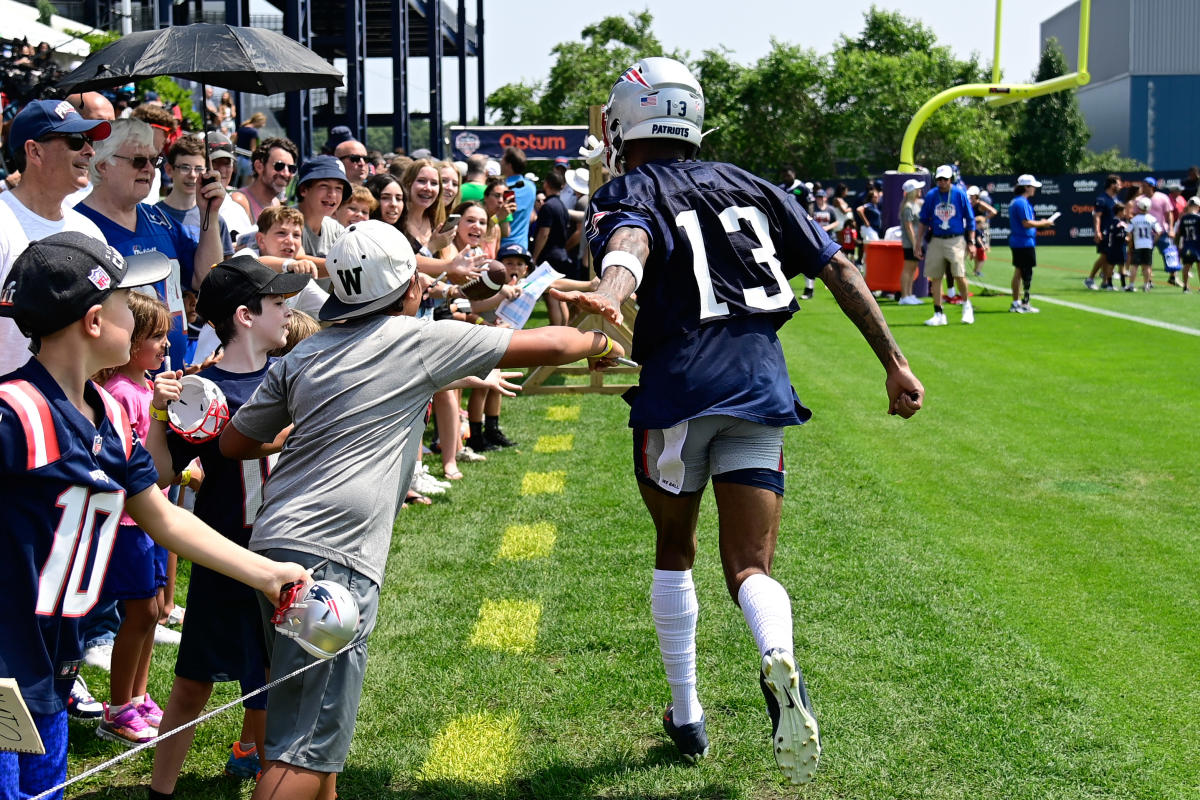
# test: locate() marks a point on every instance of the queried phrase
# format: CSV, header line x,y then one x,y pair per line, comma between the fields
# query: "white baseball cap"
x,y
972,191
1194,201
944,171
1143,203
1028,180
370,268
910,184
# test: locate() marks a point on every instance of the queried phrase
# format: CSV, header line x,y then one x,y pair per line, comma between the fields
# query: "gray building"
x,y
1144,96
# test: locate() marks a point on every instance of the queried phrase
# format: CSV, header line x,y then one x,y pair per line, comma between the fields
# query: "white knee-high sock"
x,y
673,603
768,612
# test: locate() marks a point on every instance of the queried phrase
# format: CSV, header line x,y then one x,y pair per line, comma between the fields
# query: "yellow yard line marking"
x,y
554,444
543,482
475,749
562,413
528,541
507,625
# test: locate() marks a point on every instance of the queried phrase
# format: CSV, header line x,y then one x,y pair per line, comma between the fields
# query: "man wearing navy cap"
x,y
52,147
320,187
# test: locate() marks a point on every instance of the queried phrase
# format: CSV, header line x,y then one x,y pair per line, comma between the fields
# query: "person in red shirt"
x,y
847,237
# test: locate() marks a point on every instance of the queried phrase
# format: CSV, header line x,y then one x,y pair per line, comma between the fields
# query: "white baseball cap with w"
x,y
370,268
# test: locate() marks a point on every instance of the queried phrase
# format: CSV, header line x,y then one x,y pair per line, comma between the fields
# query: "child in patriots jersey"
x,y
1187,238
69,465
137,571
245,302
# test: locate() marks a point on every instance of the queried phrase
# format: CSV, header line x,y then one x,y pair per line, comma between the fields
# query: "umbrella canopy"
x,y
252,60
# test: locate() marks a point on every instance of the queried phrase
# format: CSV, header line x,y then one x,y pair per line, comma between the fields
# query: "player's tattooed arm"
x,y
618,283
905,392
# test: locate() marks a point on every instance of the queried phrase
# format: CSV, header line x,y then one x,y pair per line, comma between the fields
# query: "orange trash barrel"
x,y
884,262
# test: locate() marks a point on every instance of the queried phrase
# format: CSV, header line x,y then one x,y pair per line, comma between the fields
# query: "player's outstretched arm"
x,y
184,534
556,344
905,392
631,245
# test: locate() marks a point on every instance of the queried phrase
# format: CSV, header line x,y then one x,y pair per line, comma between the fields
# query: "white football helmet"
x,y
656,98
201,411
322,621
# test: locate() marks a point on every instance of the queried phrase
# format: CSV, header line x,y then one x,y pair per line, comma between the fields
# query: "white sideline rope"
x,y
186,725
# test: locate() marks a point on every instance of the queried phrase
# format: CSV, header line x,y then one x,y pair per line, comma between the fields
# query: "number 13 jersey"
x,y
65,480
723,245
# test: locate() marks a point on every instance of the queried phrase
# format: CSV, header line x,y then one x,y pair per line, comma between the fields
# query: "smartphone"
x,y
509,195
451,221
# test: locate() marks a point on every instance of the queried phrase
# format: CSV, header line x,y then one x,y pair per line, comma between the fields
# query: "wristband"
x,y
185,478
623,258
159,414
608,344
287,262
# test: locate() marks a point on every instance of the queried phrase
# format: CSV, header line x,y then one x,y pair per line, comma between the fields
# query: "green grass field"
x,y
996,599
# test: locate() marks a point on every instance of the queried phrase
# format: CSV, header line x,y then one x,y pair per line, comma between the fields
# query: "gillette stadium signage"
x,y
538,141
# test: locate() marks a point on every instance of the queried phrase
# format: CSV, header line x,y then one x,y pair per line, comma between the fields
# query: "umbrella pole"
x,y
207,149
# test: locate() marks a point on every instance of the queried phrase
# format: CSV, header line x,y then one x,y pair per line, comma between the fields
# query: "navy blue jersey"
x,y
1104,207
1116,238
64,483
1189,231
723,245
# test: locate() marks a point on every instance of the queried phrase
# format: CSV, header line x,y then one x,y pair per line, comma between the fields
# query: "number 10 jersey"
x,y
723,245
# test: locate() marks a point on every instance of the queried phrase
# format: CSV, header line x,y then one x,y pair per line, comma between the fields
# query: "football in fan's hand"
x,y
487,284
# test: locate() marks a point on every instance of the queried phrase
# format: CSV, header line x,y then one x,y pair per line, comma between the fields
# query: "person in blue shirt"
x,y
949,220
122,171
710,249
70,463
512,169
1022,241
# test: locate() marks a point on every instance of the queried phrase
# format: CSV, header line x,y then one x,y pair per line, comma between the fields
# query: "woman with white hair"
x,y
910,210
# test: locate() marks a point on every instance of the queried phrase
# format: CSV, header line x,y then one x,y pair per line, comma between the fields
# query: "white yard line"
x,y
1154,323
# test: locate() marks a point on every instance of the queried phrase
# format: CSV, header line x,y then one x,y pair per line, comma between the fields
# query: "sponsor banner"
x,y
538,142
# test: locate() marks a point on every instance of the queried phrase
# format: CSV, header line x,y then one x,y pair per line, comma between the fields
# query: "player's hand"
x,y
592,303
167,388
905,392
466,266
501,382
280,576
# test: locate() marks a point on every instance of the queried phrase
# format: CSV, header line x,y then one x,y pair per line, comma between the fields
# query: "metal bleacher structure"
x,y
354,30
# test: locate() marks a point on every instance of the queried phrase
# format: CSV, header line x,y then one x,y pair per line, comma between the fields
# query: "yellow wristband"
x,y
185,477
159,414
608,344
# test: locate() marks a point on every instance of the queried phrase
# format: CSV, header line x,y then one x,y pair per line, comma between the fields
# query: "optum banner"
x,y
538,142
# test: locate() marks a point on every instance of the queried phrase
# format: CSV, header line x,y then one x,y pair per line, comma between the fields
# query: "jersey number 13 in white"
x,y
754,296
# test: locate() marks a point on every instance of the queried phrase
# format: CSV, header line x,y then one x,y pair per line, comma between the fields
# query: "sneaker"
x,y
1130,288
1147,286
807,294
937,320
99,655
1171,280
690,739
1089,283
150,711
1016,307
480,444
909,300
81,704
794,735
1108,287
496,437
423,471
125,727
1028,309
968,317
164,635
469,455
422,484
242,764
175,618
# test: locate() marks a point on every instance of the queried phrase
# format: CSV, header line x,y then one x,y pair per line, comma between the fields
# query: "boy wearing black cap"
x,y
357,393
245,301
69,464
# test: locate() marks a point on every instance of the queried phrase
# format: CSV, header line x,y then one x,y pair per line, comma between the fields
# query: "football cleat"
x,y
201,411
794,734
691,739
323,620
242,764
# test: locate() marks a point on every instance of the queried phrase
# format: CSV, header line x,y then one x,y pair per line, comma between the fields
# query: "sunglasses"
x,y
354,159
141,162
281,166
189,169
73,141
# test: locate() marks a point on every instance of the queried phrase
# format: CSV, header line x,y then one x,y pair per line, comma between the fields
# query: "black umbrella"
x,y
252,60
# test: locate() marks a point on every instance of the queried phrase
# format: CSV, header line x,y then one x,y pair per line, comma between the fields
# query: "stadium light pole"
x,y
1000,93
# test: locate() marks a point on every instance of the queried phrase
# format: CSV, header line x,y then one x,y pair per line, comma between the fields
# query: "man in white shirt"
x,y
52,146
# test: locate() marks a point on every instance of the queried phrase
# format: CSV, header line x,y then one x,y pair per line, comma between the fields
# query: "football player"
x,y
710,249
69,464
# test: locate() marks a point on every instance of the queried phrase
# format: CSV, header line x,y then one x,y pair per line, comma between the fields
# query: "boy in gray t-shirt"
x,y
356,395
